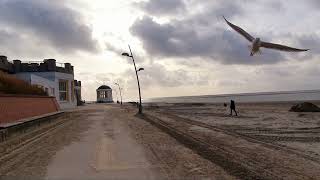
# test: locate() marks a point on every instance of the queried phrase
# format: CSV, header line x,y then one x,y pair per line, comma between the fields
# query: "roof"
x,y
104,87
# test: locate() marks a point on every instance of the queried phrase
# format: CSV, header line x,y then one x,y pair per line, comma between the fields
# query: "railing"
x,y
58,64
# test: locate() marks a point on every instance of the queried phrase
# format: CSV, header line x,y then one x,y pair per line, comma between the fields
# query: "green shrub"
x,y
9,84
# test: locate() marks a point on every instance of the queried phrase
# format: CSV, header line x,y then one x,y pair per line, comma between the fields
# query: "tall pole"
x,y
120,93
117,96
135,68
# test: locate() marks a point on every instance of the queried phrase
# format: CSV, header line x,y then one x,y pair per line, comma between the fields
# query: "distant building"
x,y
55,78
104,94
5,66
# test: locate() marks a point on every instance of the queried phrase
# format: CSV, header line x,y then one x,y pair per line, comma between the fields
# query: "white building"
x,y
57,81
104,94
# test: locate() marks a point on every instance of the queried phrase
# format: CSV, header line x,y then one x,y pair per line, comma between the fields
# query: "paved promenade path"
x,y
106,149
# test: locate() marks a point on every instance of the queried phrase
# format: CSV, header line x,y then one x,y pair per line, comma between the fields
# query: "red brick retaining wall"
x,y
16,107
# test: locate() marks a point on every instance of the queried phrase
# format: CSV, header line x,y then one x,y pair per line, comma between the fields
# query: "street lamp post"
x,y
120,92
117,96
135,68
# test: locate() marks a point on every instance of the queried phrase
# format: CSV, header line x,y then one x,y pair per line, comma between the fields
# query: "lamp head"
x,y
140,69
125,54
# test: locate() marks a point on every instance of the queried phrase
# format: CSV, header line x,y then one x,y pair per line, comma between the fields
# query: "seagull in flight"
x,y
257,43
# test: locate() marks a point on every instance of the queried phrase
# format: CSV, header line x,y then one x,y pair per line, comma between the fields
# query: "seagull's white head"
x,y
257,40
255,47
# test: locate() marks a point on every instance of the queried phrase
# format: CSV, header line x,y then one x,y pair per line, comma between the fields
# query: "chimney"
x,y
43,67
16,66
67,67
4,59
51,64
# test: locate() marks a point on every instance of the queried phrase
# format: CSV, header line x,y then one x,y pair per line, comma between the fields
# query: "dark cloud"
x,y
218,8
201,34
201,11
315,3
307,41
162,7
181,40
15,45
49,22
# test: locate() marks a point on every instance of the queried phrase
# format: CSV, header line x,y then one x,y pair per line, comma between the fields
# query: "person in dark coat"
x,y
233,107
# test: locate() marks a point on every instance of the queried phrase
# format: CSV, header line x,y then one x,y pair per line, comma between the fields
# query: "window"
x,y
52,92
63,90
102,94
46,90
40,86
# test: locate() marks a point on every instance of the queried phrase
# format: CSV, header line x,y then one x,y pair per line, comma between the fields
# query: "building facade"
x,y
55,79
104,94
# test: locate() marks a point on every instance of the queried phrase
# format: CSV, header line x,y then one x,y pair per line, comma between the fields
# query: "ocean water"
x,y
282,96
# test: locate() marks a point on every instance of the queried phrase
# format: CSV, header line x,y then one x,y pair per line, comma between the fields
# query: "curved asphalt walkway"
x,y
105,151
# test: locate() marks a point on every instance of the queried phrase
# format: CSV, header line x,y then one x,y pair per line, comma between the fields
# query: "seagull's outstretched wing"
x,y
280,47
240,30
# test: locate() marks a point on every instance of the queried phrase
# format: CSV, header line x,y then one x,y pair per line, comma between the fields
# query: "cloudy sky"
x,y
184,45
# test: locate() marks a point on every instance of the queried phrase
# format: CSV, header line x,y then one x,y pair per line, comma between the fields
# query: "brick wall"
x,y
16,107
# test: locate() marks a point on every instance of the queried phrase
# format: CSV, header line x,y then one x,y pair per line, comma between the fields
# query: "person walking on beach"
x,y
233,107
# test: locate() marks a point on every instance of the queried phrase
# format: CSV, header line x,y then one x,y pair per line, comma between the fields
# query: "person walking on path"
x,y
233,107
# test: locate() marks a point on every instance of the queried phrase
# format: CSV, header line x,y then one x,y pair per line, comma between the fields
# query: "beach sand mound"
x,y
305,107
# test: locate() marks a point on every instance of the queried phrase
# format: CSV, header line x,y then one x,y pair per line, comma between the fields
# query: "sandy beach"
x,y
269,122
275,142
